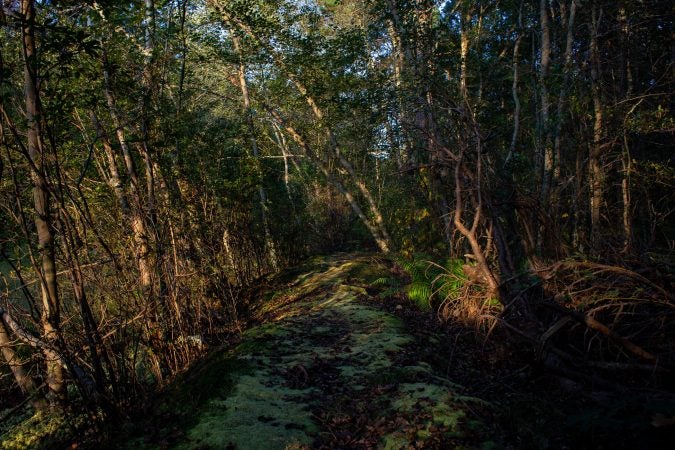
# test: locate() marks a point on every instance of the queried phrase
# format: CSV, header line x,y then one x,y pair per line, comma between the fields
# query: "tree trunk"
x,y
262,196
514,87
626,160
545,150
562,99
627,164
114,179
594,158
144,147
41,196
136,220
400,53
21,375
464,42
283,146
91,333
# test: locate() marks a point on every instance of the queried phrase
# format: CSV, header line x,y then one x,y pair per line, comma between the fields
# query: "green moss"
x,y
39,431
368,270
433,398
258,413
442,407
212,376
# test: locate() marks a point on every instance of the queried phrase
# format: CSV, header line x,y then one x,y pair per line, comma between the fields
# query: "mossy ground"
x,y
334,359
325,369
40,431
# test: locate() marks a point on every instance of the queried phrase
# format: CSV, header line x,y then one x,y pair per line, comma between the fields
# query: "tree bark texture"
x,y
41,198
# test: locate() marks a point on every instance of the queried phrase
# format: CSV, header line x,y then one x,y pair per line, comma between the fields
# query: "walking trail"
x,y
327,367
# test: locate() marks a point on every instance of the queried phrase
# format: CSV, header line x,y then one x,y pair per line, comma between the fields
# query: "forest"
x,y
337,224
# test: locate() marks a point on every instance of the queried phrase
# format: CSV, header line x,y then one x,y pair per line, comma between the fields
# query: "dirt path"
x,y
328,370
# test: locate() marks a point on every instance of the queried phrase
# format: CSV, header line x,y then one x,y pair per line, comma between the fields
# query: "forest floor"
x,y
334,357
334,362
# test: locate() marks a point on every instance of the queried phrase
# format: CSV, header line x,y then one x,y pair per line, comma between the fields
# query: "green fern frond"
x,y
420,293
455,267
384,281
432,281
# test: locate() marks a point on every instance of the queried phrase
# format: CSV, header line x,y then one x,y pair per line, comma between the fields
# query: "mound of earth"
x,y
328,368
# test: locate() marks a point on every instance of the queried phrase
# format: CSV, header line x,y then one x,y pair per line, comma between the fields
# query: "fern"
x,y
384,281
451,281
415,269
420,293
431,282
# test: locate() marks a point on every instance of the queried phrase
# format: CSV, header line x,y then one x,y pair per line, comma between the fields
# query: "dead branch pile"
x,y
607,317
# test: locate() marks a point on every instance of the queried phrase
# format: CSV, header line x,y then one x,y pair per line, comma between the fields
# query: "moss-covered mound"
x,y
327,369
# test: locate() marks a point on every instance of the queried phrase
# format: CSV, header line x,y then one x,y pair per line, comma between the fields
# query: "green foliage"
x,y
383,281
431,282
420,293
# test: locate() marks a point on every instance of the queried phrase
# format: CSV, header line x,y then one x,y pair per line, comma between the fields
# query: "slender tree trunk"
x,y
577,203
230,256
626,196
562,99
137,223
382,244
51,321
153,273
152,172
283,146
514,87
464,43
402,49
595,154
114,179
400,53
181,77
21,375
262,196
546,152
92,336
626,161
